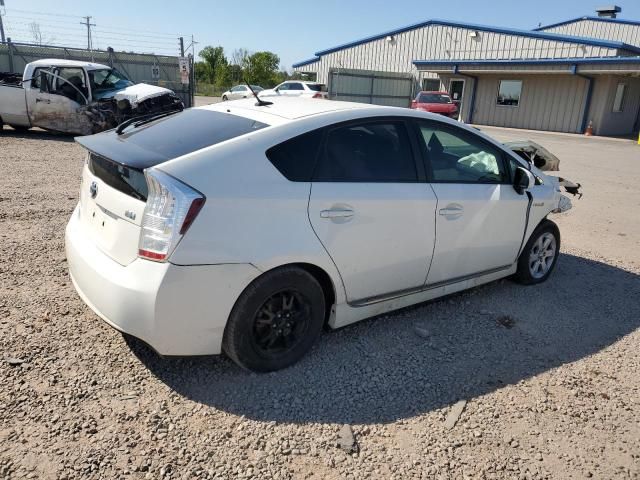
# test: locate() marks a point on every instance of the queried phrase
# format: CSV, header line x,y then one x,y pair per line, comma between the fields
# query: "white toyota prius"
x,y
245,228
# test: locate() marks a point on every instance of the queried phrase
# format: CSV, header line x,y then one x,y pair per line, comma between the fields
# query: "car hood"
x,y
535,154
137,93
437,107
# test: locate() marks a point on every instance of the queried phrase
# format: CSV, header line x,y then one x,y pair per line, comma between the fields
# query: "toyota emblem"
x,y
93,189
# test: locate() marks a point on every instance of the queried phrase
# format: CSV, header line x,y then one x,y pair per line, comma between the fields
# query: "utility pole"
x,y
1,25
181,46
88,24
191,46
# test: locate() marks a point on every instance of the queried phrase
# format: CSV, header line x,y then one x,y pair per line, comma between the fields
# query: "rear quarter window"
x,y
295,159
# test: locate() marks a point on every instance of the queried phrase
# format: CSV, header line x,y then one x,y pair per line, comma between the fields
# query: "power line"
x,y
68,33
46,14
43,13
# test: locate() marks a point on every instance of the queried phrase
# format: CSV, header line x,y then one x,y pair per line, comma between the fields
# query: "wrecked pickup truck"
x,y
78,98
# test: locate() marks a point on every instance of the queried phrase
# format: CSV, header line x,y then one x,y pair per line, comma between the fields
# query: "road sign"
x,y
183,62
155,72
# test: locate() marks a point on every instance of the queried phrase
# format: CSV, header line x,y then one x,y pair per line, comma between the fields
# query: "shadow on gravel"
x,y
35,135
381,370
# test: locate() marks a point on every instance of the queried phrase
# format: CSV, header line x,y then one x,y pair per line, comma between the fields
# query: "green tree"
x,y
201,72
262,68
215,62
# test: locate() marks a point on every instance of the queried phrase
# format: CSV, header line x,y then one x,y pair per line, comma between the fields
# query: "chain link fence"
x,y
160,70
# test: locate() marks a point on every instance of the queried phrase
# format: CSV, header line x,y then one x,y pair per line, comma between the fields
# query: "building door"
x,y
456,91
368,86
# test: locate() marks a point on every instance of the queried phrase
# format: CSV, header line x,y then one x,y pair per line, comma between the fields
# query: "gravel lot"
x,y
504,381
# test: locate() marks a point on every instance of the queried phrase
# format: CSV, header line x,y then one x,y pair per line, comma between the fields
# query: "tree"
x,y
36,33
239,57
215,62
262,68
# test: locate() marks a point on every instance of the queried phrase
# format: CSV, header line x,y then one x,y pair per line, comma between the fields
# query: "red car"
x,y
435,102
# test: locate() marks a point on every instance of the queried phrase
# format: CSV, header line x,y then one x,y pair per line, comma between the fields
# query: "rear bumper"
x,y
177,310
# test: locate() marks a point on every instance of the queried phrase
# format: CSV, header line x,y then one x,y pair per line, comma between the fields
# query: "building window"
x,y
509,93
431,85
618,101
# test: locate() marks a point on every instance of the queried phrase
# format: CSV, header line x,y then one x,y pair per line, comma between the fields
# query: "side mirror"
x,y
523,180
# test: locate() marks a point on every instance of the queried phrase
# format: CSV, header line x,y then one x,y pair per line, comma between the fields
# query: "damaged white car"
x,y
245,228
79,98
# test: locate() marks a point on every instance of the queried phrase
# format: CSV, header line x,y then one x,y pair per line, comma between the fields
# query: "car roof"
x,y
60,62
307,82
283,110
434,92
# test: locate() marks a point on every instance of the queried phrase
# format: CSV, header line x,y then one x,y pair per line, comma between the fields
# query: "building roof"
x,y
595,19
472,26
532,61
306,62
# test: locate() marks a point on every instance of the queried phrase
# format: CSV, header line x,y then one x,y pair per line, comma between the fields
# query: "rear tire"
x,y
275,321
540,255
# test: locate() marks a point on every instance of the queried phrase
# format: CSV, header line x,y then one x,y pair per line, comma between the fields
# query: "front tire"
x,y
224,98
540,255
275,321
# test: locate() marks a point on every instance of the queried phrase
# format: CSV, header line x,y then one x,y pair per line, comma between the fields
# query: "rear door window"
x,y
373,151
316,87
296,86
296,158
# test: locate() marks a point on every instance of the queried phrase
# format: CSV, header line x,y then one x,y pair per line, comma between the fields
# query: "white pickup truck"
x,y
77,97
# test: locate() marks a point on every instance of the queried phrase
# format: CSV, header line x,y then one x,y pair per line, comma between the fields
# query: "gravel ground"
x,y
503,381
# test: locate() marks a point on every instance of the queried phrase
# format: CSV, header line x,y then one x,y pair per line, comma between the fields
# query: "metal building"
x,y
561,77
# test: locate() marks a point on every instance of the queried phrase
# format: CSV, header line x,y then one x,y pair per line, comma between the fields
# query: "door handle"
x,y
43,100
452,210
337,213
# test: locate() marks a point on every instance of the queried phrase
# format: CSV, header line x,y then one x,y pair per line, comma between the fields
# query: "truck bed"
x,y
7,78
13,105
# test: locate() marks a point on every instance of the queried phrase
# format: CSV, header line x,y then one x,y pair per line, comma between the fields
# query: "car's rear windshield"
x,y
434,98
317,87
151,144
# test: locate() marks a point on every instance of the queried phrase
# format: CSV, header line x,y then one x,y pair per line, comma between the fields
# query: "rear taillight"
x,y
171,208
318,95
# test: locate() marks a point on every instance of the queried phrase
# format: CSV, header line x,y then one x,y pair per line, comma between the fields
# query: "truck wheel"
x,y
540,254
275,321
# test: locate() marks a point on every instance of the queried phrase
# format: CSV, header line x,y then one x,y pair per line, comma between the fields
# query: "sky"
x,y
293,29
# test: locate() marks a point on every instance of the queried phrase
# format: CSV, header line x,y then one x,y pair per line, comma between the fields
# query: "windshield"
x,y
317,87
434,98
108,79
257,88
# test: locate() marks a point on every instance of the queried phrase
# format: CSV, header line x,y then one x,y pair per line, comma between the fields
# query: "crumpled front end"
x,y
562,202
134,101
